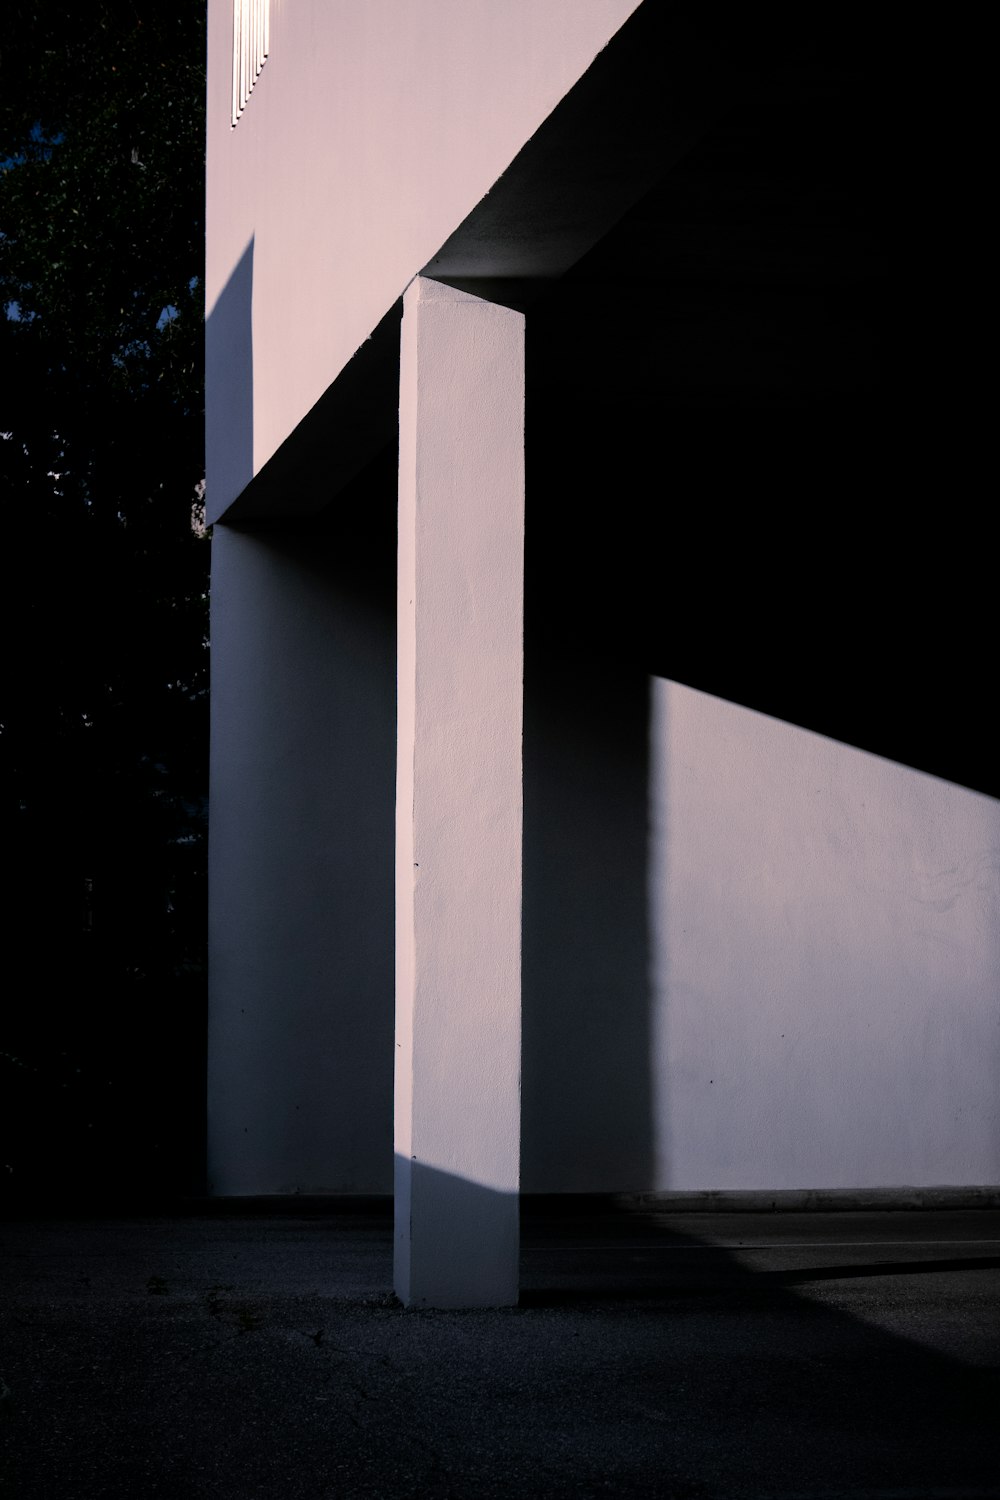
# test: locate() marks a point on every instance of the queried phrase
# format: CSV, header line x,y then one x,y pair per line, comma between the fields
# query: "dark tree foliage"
x,y
103,701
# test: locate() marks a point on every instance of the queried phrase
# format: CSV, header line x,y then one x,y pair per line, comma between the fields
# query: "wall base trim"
x,y
62,1204
764,1200
735,1200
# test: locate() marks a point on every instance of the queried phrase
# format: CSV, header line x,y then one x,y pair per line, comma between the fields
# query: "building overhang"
x,y
647,97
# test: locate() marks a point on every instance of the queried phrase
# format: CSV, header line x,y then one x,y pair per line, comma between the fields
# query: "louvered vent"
x,y
251,42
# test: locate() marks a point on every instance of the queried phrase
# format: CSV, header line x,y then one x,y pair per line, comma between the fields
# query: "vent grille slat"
x,y
251,43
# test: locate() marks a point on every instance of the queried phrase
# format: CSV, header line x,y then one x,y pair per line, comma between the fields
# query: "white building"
x,y
746,936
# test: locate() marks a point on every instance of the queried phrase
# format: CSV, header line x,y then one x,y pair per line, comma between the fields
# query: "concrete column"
x,y
458,799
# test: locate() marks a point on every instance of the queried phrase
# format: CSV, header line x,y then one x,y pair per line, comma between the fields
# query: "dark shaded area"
x,y
361,407
635,111
585,1075
361,525
718,1276
733,457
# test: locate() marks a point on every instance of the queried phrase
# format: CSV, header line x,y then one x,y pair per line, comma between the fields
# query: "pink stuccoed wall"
x,y
825,945
370,134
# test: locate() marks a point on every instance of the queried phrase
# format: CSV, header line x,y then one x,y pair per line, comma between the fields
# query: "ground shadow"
x,y
850,1389
646,1359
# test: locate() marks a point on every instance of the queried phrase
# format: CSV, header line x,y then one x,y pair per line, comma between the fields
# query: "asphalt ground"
x,y
653,1354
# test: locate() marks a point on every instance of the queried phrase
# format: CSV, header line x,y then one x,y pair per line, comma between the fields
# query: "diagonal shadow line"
x,y
739,1281
879,1268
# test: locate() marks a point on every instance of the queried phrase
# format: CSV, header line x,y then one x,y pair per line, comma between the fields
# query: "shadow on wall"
x,y
585,1086
761,923
754,957
229,386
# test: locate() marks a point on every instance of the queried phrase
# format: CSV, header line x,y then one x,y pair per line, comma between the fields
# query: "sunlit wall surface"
x,y
824,948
